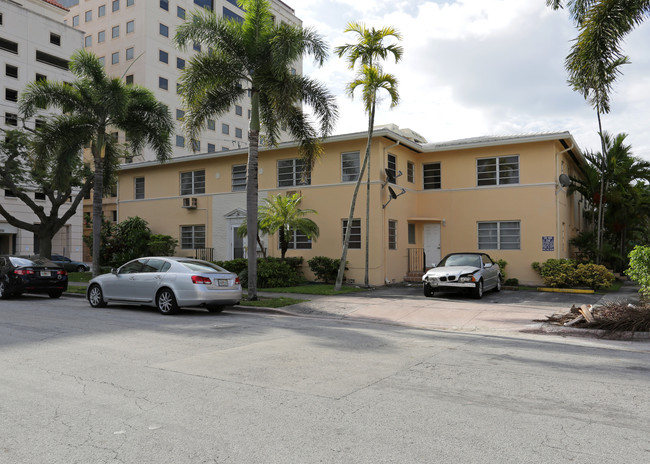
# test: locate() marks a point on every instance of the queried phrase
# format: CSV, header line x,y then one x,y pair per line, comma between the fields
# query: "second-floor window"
x,y
392,235
193,182
499,170
410,172
139,188
391,167
431,176
239,177
350,166
291,172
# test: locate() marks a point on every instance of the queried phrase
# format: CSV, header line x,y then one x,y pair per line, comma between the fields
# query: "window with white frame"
x,y
410,172
238,177
392,166
193,182
355,233
350,166
392,235
292,172
139,188
499,235
431,176
298,241
500,170
192,237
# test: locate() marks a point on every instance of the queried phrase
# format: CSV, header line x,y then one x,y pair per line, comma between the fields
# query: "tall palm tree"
x,y
596,56
94,105
369,49
255,57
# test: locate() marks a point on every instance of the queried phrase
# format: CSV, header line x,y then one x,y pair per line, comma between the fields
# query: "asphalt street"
x,y
128,385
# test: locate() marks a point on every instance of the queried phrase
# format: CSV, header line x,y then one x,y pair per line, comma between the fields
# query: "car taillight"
x,y
237,281
23,272
201,280
61,272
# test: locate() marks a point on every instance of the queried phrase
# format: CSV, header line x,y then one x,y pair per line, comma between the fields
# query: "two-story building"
x,y
500,195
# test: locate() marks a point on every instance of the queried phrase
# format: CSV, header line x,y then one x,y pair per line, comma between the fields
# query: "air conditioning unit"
x,y
189,203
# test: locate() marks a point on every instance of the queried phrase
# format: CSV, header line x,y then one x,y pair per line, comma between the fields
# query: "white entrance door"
x,y
432,244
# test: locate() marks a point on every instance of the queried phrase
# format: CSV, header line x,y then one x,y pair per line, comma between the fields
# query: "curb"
x,y
564,290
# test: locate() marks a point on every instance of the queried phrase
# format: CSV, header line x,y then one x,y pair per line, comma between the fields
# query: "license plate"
x,y
223,282
46,274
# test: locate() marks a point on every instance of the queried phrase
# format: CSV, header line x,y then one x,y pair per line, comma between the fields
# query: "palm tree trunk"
x,y
599,239
346,240
371,124
252,194
98,196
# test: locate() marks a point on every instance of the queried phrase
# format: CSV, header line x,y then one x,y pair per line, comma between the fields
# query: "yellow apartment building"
x,y
500,195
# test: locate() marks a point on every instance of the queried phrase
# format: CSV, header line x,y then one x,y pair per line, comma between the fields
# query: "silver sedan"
x,y
463,271
167,283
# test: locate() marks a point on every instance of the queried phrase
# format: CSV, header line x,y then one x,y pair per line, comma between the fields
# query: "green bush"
x,y
234,265
565,273
639,269
324,268
512,282
502,267
274,272
162,245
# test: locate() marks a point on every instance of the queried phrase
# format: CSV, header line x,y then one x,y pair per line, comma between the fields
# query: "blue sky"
x,y
482,67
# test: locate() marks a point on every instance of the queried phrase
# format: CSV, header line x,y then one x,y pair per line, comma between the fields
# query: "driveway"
x,y
502,311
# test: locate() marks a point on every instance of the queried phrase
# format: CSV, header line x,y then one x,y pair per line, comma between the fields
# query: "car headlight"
x,y
466,278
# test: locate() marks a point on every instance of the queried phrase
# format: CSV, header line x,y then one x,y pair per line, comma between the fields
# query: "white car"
x,y
167,283
475,272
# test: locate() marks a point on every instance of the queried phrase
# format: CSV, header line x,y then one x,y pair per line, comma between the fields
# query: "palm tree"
x,y
93,105
596,56
370,48
255,57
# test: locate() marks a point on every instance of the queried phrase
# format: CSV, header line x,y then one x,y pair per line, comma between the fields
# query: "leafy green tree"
x,y
162,245
255,57
639,269
93,106
369,50
38,162
596,56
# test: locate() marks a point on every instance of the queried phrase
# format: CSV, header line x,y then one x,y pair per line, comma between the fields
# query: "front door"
x,y
431,244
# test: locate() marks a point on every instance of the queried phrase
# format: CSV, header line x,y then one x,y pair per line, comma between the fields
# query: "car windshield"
x,y
32,262
202,266
461,260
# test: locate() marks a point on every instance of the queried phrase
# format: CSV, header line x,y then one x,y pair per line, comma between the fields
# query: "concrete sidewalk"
x,y
503,311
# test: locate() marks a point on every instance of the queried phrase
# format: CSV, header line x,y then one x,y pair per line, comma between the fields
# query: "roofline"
x,y
508,140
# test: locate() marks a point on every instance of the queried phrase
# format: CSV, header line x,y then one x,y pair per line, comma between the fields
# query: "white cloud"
x,y
476,67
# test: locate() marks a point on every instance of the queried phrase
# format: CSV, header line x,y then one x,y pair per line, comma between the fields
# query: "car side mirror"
x,y
434,264
487,265
114,271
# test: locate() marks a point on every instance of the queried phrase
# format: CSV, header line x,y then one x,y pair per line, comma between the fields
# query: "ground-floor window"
x,y
499,235
355,233
192,237
392,235
298,241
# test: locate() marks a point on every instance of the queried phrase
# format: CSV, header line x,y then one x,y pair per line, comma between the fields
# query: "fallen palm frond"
x,y
611,317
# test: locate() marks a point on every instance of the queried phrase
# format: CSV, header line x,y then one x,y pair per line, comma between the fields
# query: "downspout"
x,y
558,229
383,217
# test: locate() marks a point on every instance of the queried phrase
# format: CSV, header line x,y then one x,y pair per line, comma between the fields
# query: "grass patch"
x,y
76,289
271,302
313,289
80,276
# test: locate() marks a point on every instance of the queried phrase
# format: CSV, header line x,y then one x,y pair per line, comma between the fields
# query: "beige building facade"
x,y
499,195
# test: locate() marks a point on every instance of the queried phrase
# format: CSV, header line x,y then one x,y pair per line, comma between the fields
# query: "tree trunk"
x,y
98,196
45,237
366,279
252,194
346,240
599,239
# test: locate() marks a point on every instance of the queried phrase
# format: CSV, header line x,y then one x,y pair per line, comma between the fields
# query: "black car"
x,y
31,275
68,264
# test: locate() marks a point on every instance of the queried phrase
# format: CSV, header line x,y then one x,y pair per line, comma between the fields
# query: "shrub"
x,y
324,268
568,273
234,265
512,282
162,245
502,266
639,269
274,272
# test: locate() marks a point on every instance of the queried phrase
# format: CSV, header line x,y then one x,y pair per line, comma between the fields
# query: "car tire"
x,y
166,302
81,269
499,283
4,293
428,290
96,296
214,308
478,290
55,293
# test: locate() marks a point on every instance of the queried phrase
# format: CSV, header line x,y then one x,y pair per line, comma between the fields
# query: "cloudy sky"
x,y
481,67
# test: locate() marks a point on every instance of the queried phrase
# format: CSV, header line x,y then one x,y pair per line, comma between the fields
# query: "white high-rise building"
x,y
134,39
35,43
